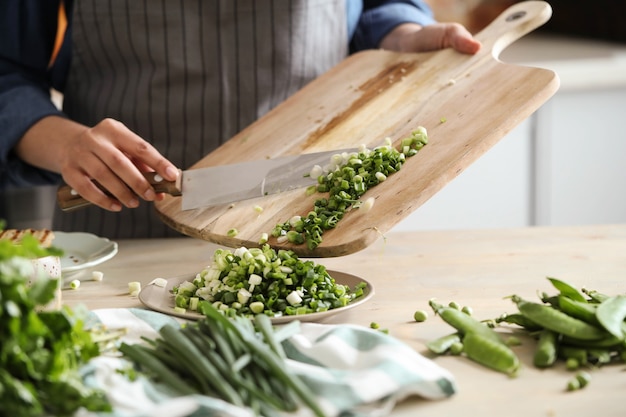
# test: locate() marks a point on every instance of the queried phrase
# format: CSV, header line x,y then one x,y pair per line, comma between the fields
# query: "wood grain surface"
x,y
475,268
370,96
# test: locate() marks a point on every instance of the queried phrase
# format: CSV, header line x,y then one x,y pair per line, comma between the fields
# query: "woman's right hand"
x,y
108,153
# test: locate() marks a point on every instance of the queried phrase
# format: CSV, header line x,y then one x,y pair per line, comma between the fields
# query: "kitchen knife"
x,y
223,184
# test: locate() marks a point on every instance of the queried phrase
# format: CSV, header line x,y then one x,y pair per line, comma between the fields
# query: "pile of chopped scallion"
x,y
346,178
252,281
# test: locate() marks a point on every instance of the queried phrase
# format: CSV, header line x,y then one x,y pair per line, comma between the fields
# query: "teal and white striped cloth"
x,y
353,370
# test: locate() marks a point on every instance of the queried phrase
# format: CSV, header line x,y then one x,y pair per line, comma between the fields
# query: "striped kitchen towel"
x,y
353,370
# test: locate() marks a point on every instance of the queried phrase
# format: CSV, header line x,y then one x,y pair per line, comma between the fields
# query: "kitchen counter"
x,y
477,268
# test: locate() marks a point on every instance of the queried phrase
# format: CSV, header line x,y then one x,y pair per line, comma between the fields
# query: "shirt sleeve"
x,y
378,18
27,33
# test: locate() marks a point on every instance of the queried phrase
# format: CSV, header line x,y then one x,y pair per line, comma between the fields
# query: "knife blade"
x,y
224,184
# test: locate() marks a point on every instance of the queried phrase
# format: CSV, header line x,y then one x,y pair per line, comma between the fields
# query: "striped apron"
x,y
188,75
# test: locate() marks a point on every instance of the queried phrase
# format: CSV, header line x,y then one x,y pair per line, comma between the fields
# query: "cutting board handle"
x,y
515,22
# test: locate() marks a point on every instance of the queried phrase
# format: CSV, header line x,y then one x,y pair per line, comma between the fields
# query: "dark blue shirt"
x,y
27,33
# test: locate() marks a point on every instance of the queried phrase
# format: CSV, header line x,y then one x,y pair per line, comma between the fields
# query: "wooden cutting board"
x,y
466,102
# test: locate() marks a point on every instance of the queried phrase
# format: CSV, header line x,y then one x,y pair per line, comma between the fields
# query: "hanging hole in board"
x,y
515,16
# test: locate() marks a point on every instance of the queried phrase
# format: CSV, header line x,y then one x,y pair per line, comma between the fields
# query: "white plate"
x,y
83,250
162,299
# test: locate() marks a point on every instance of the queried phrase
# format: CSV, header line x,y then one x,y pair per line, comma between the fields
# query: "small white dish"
x,y
82,250
161,299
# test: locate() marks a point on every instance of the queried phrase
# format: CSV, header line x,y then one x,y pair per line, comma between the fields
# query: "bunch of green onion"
x,y
238,360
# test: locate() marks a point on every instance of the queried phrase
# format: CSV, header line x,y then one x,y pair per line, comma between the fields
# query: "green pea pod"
x,y
584,311
462,322
599,356
545,353
490,353
595,296
608,342
520,320
567,290
442,344
557,321
552,300
611,314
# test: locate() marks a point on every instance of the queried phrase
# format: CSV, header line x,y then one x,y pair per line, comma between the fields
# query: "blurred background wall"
x,y
600,19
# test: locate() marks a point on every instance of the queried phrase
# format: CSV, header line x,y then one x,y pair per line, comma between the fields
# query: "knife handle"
x,y
68,199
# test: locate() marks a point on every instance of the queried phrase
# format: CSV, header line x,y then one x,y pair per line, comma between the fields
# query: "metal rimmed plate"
x,y
161,299
82,250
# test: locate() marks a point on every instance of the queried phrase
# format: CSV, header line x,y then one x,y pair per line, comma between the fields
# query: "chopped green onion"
x,y
246,282
257,307
346,178
159,282
367,204
180,310
134,287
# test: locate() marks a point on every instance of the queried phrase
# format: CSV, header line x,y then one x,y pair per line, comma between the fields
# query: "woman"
x,y
156,85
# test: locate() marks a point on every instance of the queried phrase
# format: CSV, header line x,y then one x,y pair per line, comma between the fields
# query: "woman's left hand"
x,y
411,37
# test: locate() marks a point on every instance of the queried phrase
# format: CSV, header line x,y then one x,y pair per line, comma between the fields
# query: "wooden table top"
x,y
476,268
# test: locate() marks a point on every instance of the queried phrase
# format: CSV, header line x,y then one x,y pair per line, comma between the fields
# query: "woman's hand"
x,y
411,37
108,153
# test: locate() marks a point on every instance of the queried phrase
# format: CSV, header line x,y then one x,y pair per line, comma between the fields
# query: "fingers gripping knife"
x,y
225,184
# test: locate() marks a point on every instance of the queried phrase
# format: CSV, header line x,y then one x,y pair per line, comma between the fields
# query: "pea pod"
x,y
520,320
596,297
567,290
490,353
545,354
599,356
558,321
443,344
580,310
552,300
611,314
607,342
464,323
